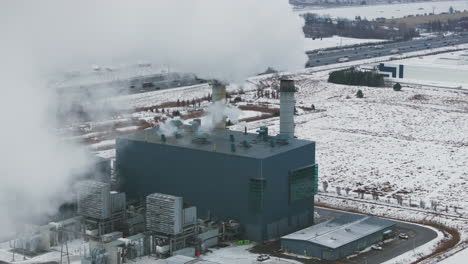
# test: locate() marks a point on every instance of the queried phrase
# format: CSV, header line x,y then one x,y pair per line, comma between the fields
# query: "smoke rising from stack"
x,y
224,39
218,113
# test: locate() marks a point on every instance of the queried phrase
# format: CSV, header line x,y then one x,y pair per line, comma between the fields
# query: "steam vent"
x,y
265,182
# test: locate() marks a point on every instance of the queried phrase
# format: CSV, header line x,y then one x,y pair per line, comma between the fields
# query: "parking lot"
x,y
417,236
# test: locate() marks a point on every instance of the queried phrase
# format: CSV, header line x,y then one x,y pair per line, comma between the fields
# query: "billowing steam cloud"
x,y
219,112
224,39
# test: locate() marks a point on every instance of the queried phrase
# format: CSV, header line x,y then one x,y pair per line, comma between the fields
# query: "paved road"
x,y
418,236
370,51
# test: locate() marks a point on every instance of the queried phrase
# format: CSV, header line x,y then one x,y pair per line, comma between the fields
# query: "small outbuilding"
x,y
339,237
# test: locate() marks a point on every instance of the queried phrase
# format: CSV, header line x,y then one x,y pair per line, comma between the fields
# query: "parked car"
x,y
403,236
263,257
376,247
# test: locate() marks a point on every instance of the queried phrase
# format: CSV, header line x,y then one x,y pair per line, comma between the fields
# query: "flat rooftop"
x,y
247,145
341,230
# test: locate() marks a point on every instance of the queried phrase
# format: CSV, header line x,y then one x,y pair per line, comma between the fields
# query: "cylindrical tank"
x,y
287,102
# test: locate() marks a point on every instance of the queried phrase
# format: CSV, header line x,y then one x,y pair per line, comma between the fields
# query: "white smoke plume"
x,y
218,112
168,128
224,39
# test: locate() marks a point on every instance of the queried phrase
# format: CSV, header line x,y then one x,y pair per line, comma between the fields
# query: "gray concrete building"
x,y
266,183
339,237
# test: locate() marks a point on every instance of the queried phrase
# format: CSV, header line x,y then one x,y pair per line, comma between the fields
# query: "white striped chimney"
x,y
218,96
287,102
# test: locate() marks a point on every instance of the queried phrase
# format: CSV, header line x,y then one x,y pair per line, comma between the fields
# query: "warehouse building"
x,y
265,182
339,237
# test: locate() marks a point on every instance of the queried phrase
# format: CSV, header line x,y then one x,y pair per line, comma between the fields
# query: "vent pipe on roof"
x,y
219,96
196,124
233,147
287,102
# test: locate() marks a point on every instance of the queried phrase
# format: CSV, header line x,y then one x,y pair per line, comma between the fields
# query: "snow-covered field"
x,y
389,141
390,10
335,41
413,143
240,255
162,96
459,258
446,69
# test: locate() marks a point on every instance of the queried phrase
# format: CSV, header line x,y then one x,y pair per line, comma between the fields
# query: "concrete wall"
x,y
218,183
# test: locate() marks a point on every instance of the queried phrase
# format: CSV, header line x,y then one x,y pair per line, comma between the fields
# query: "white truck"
x,y
342,59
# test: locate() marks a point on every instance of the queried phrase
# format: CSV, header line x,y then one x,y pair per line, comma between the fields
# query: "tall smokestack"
x,y
287,90
218,96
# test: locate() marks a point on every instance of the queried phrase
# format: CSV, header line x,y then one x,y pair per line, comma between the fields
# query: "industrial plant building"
x,y
265,182
338,238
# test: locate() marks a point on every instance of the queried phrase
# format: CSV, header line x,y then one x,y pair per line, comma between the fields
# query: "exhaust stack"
x,y
287,102
218,96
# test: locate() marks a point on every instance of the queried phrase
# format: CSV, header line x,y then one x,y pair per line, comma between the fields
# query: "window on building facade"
x,y
303,183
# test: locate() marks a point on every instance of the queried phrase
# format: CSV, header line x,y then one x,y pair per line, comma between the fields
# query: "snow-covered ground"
x,y
240,255
161,96
390,10
457,59
446,69
249,114
389,141
459,258
413,142
335,41
75,248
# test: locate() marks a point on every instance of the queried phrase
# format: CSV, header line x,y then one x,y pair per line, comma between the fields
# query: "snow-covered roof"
x,y
219,141
341,230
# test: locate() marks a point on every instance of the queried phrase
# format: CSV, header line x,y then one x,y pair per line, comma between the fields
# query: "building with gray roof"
x,y
339,237
266,182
